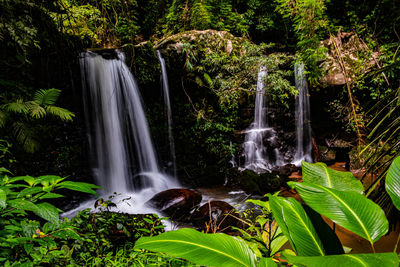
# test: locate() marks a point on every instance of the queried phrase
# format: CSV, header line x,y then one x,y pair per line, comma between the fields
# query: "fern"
x,y
61,113
35,110
3,118
47,96
16,107
25,136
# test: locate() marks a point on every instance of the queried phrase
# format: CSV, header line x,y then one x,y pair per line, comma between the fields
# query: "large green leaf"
x,y
353,260
296,225
328,237
350,210
200,248
319,173
43,210
393,182
79,186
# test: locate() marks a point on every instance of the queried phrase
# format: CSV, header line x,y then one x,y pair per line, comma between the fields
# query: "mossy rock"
x,y
254,183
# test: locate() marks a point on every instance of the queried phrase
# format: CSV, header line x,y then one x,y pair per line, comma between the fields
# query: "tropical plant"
x,y
323,192
22,238
20,115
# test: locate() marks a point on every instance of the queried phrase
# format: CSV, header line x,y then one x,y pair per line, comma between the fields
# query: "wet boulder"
x,y
216,216
254,183
176,203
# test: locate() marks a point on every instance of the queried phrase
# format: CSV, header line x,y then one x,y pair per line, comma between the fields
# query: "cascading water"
x,y
255,152
122,153
303,123
164,78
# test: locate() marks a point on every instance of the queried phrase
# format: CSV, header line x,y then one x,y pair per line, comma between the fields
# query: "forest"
x,y
199,133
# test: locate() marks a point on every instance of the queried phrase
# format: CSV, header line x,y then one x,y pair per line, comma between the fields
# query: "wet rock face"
x,y
215,214
176,203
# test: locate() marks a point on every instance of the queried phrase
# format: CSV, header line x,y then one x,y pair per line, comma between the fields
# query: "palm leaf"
x,y
296,225
62,113
17,107
3,118
319,173
35,110
348,209
25,136
393,182
45,97
353,260
204,249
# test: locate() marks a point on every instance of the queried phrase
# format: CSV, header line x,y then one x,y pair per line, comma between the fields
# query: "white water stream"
x,y
303,122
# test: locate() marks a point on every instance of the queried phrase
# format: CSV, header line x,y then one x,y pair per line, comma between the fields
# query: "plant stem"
x,y
397,243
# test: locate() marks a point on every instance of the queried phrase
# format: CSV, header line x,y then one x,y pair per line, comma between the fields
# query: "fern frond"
x,y
18,106
46,97
3,118
25,137
35,110
62,113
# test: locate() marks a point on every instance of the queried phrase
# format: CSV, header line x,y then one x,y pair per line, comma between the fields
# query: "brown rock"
x,y
216,216
176,203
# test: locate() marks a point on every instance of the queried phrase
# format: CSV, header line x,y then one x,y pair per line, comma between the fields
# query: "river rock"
x,y
216,215
254,183
176,203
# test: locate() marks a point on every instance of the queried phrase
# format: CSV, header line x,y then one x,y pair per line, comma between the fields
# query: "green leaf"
x,y
28,248
48,212
66,234
43,210
200,248
50,195
329,239
79,186
267,262
3,198
62,113
296,225
353,260
29,191
393,182
349,209
263,204
4,170
278,241
46,96
319,173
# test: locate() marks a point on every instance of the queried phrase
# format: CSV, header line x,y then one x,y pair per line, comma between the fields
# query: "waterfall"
x,y
303,125
256,155
164,79
121,148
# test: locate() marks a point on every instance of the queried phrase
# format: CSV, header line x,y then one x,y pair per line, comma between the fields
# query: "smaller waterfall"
x,y
256,155
303,123
164,79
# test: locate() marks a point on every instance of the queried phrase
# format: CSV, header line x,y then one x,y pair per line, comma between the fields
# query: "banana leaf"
x,y
393,182
348,209
319,173
200,248
296,225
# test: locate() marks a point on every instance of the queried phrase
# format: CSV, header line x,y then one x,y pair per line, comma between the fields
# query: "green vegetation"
x,y
213,50
349,209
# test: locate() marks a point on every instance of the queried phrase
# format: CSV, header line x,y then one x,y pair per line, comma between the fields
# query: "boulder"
x,y
254,183
215,216
176,203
